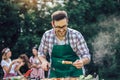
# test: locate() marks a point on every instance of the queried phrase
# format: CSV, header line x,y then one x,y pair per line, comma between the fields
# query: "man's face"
x,y
60,27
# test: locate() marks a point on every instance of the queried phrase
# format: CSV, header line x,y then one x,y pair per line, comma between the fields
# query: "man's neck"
x,y
61,38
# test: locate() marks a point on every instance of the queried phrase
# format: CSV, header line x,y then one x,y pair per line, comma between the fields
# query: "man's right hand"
x,y
45,65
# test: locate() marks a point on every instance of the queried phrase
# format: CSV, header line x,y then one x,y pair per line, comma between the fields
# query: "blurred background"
x,y
23,22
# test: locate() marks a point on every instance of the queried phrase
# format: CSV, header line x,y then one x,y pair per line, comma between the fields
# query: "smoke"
x,y
108,37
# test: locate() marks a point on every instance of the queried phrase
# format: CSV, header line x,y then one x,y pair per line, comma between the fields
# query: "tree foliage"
x,y
22,24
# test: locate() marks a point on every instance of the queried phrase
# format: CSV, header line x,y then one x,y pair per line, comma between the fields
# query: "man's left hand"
x,y
78,64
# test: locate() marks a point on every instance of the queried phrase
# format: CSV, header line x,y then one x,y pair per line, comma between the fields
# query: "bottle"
x,y
27,73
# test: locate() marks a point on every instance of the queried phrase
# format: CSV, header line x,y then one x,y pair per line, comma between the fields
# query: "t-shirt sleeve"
x,y
3,63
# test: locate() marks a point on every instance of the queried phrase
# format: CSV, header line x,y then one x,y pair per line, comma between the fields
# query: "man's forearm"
x,y
85,60
42,59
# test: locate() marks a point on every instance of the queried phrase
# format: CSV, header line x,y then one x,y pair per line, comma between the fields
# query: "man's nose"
x,y
61,29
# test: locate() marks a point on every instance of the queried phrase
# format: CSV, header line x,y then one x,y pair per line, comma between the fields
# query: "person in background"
x,y
22,65
37,71
66,47
7,64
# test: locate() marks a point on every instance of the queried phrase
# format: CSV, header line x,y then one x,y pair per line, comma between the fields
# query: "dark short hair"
x,y
58,15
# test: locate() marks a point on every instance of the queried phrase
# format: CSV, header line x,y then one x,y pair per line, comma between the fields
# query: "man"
x,y
66,47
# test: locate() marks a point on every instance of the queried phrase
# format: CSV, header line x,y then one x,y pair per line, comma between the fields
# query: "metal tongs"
x,y
63,62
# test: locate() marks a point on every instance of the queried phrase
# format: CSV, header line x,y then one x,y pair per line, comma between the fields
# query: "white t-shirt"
x,y
60,42
7,64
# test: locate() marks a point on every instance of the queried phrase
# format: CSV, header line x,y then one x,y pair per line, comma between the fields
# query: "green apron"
x,y
59,70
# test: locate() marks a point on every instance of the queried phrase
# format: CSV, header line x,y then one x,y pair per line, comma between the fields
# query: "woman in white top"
x,y
7,65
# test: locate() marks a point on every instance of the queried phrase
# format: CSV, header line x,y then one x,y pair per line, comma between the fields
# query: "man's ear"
x,y
52,23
